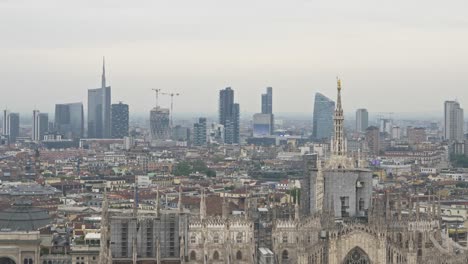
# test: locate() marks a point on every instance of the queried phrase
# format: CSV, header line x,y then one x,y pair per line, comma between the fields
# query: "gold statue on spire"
x,y
338,81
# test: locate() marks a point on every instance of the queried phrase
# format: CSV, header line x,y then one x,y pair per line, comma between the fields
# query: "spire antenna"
x,y
103,78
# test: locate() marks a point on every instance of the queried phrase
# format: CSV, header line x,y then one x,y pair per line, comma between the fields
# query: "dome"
x,y
23,217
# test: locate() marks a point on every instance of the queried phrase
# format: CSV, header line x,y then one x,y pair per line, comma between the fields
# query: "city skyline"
x,y
294,48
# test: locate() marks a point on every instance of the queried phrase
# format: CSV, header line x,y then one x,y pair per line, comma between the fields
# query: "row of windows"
x,y
239,238
193,255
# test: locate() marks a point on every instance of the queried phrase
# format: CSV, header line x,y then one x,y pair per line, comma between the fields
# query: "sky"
x,y
392,56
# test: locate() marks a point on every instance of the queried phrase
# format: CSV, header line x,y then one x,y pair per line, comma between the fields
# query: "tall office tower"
x,y
69,120
262,125
5,123
324,108
453,122
159,123
39,127
229,114
362,120
120,119
416,135
267,101
267,113
373,140
200,132
13,126
99,110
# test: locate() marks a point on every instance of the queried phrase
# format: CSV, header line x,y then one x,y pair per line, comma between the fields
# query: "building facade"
x,y
159,123
99,110
362,120
200,132
229,116
322,127
69,120
120,120
453,121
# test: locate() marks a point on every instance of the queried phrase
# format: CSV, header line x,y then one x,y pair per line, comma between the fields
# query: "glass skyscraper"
x,y
99,110
229,116
69,120
324,109
120,119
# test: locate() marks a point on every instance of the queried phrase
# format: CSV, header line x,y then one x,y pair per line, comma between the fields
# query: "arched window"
x,y
285,238
239,255
216,239
285,255
193,239
239,237
357,256
193,255
216,255
30,261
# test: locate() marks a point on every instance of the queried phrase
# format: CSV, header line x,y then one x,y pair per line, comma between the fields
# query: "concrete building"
x,y
159,124
416,135
267,101
362,120
200,132
99,110
120,120
323,117
229,114
12,126
262,125
69,120
373,140
40,125
453,121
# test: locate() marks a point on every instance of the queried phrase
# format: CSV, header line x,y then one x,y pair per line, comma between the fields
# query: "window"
x,y
361,204
285,256
239,255
193,240
193,255
216,239
239,238
285,238
216,255
344,206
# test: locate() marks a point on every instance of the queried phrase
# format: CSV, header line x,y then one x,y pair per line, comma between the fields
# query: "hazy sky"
x,y
398,55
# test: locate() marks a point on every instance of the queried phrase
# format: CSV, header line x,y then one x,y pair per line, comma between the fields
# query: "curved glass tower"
x,y
324,109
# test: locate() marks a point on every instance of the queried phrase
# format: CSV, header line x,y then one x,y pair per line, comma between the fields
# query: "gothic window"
x,y
361,204
216,239
216,255
285,238
344,206
239,237
285,256
193,255
357,256
193,240
308,239
239,255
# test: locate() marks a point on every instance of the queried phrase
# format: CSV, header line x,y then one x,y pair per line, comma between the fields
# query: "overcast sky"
x,y
398,55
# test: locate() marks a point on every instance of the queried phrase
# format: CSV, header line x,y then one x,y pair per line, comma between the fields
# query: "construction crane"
x,y
156,91
172,103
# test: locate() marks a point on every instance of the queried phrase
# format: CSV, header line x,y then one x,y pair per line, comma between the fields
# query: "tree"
x,y
182,168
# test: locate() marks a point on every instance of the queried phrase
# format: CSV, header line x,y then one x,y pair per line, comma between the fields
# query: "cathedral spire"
x,y
225,208
179,204
104,250
338,143
157,203
202,205
103,78
296,207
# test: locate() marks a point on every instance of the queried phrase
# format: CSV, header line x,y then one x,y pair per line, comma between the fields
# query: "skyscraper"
x,y
5,127
267,101
373,140
120,119
159,123
69,120
40,125
453,121
199,132
324,109
362,120
13,126
229,114
99,109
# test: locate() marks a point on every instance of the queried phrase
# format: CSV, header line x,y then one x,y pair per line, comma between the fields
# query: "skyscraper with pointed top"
x,y
99,109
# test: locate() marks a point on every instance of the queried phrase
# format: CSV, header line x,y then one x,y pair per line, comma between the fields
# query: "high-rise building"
x,y
229,114
373,140
159,123
262,125
322,127
120,119
267,101
453,122
199,132
69,120
416,135
99,110
40,125
13,126
5,127
362,120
